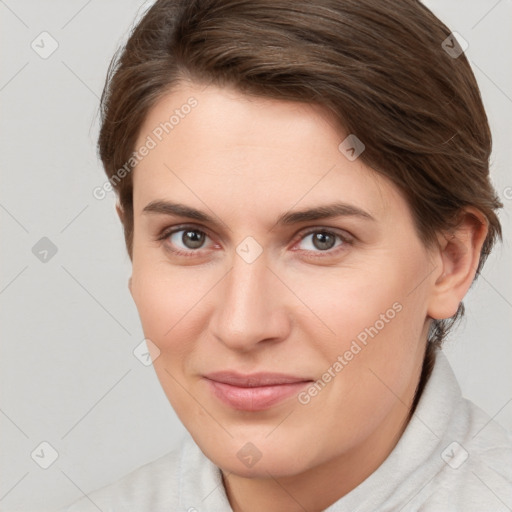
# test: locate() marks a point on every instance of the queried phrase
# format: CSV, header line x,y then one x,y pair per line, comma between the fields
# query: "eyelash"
x,y
345,239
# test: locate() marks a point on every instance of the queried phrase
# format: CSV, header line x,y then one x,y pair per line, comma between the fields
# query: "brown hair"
x,y
380,67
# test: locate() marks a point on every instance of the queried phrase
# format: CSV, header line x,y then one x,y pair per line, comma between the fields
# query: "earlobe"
x,y
120,212
459,255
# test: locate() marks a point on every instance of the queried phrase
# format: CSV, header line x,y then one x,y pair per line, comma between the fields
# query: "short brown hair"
x,y
380,67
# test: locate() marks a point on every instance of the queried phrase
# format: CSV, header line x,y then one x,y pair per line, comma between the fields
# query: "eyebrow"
x,y
337,209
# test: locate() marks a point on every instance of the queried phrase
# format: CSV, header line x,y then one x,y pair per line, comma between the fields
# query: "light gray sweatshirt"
x,y
451,457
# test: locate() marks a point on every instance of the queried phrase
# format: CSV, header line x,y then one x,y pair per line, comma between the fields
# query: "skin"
x,y
296,307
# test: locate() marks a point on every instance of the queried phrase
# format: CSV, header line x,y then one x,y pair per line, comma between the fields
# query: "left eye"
x,y
321,241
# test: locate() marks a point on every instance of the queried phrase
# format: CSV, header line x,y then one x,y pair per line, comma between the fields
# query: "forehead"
x,y
221,117
248,153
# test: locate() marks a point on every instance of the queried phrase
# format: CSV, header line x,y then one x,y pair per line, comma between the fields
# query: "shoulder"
x,y
463,455
154,486
477,470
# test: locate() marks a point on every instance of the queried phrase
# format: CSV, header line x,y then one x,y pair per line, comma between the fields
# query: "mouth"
x,y
254,392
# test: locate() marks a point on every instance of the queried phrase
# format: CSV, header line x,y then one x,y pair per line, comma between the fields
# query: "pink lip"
x,y
255,392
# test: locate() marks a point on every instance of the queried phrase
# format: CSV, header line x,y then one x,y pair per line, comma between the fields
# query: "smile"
x,y
255,392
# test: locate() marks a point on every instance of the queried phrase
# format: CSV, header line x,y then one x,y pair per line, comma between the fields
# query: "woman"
x,y
305,195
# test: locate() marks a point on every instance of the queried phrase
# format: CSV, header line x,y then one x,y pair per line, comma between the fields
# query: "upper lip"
x,y
254,379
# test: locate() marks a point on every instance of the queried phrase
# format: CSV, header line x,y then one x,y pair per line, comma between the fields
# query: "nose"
x,y
251,307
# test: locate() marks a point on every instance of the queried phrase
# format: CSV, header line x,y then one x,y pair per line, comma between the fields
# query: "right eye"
x,y
184,240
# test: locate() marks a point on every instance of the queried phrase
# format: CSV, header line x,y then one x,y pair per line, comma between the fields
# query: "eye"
x,y
323,240
184,240
190,240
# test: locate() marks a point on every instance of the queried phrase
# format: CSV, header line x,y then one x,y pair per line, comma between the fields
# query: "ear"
x,y
130,285
459,254
120,212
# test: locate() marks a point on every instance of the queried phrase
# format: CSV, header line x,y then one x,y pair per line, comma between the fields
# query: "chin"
x,y
258,459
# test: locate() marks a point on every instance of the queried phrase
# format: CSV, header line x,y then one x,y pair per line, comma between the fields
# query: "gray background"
x,y
69,326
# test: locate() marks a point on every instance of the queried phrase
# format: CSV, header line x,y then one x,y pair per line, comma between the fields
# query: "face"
x,y
285,340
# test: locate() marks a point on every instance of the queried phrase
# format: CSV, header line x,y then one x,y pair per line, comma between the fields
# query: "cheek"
x,y
350,303
166,299
373,354
373,317
169,306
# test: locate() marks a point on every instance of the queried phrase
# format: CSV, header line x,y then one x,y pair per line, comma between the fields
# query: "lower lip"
x,y
256,398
